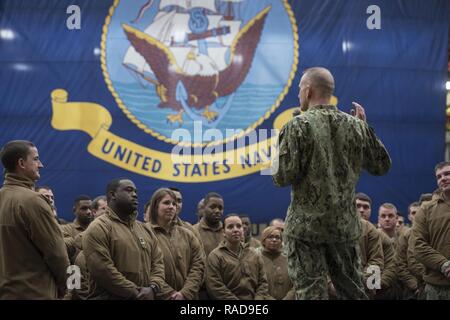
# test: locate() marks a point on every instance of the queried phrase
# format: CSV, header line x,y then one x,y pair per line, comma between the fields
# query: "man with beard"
x,y
247,227
83,217
121,253
210,227
33,259
177,220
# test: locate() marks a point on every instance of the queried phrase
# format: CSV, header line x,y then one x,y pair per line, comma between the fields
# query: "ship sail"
x,y
196,87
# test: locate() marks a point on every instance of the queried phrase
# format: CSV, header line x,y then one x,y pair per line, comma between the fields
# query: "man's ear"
x,y
20,163
112,195
308,92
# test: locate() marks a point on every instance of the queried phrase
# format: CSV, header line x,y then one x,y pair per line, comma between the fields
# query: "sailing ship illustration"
x,y
193,54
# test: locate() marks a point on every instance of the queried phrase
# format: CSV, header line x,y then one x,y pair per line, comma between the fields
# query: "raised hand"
x,y
358,111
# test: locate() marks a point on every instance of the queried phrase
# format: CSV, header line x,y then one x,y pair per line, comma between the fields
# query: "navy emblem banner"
x,y
109,89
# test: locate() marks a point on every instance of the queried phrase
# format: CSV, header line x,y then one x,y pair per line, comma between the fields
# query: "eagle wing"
x,y
156,54
242,52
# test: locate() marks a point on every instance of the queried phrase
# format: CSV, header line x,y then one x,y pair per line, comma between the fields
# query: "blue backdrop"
x,y
397,72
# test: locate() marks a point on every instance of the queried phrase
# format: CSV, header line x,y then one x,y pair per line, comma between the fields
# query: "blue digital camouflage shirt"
x,y
321,154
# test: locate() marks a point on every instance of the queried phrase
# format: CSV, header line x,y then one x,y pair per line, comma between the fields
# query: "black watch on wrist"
x,y
155,288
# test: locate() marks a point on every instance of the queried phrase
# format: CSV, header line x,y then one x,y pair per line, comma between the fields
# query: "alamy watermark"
x,y
257,147
74,279
374,280
73,21
374,20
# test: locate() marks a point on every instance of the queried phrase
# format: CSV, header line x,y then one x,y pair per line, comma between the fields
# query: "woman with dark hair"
x,y
234,271
275,265
184,261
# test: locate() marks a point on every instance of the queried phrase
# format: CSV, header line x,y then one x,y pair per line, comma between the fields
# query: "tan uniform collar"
x,y
156,226
13,179
78,226
439,197
271,253
204,225
113,216
223,246
177,221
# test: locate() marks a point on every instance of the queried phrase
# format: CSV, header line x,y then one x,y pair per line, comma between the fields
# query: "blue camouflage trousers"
x,y
309,264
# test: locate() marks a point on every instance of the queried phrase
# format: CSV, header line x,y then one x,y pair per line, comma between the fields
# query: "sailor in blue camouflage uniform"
x,y
321,155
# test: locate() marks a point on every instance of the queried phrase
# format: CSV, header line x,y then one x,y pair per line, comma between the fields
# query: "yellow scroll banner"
x,y
215,165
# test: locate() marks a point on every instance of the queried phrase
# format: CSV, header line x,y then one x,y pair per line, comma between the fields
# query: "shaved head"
x,y
321,80
316,87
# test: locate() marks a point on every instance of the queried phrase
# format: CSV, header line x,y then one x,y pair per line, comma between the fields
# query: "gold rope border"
x,y
161,137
